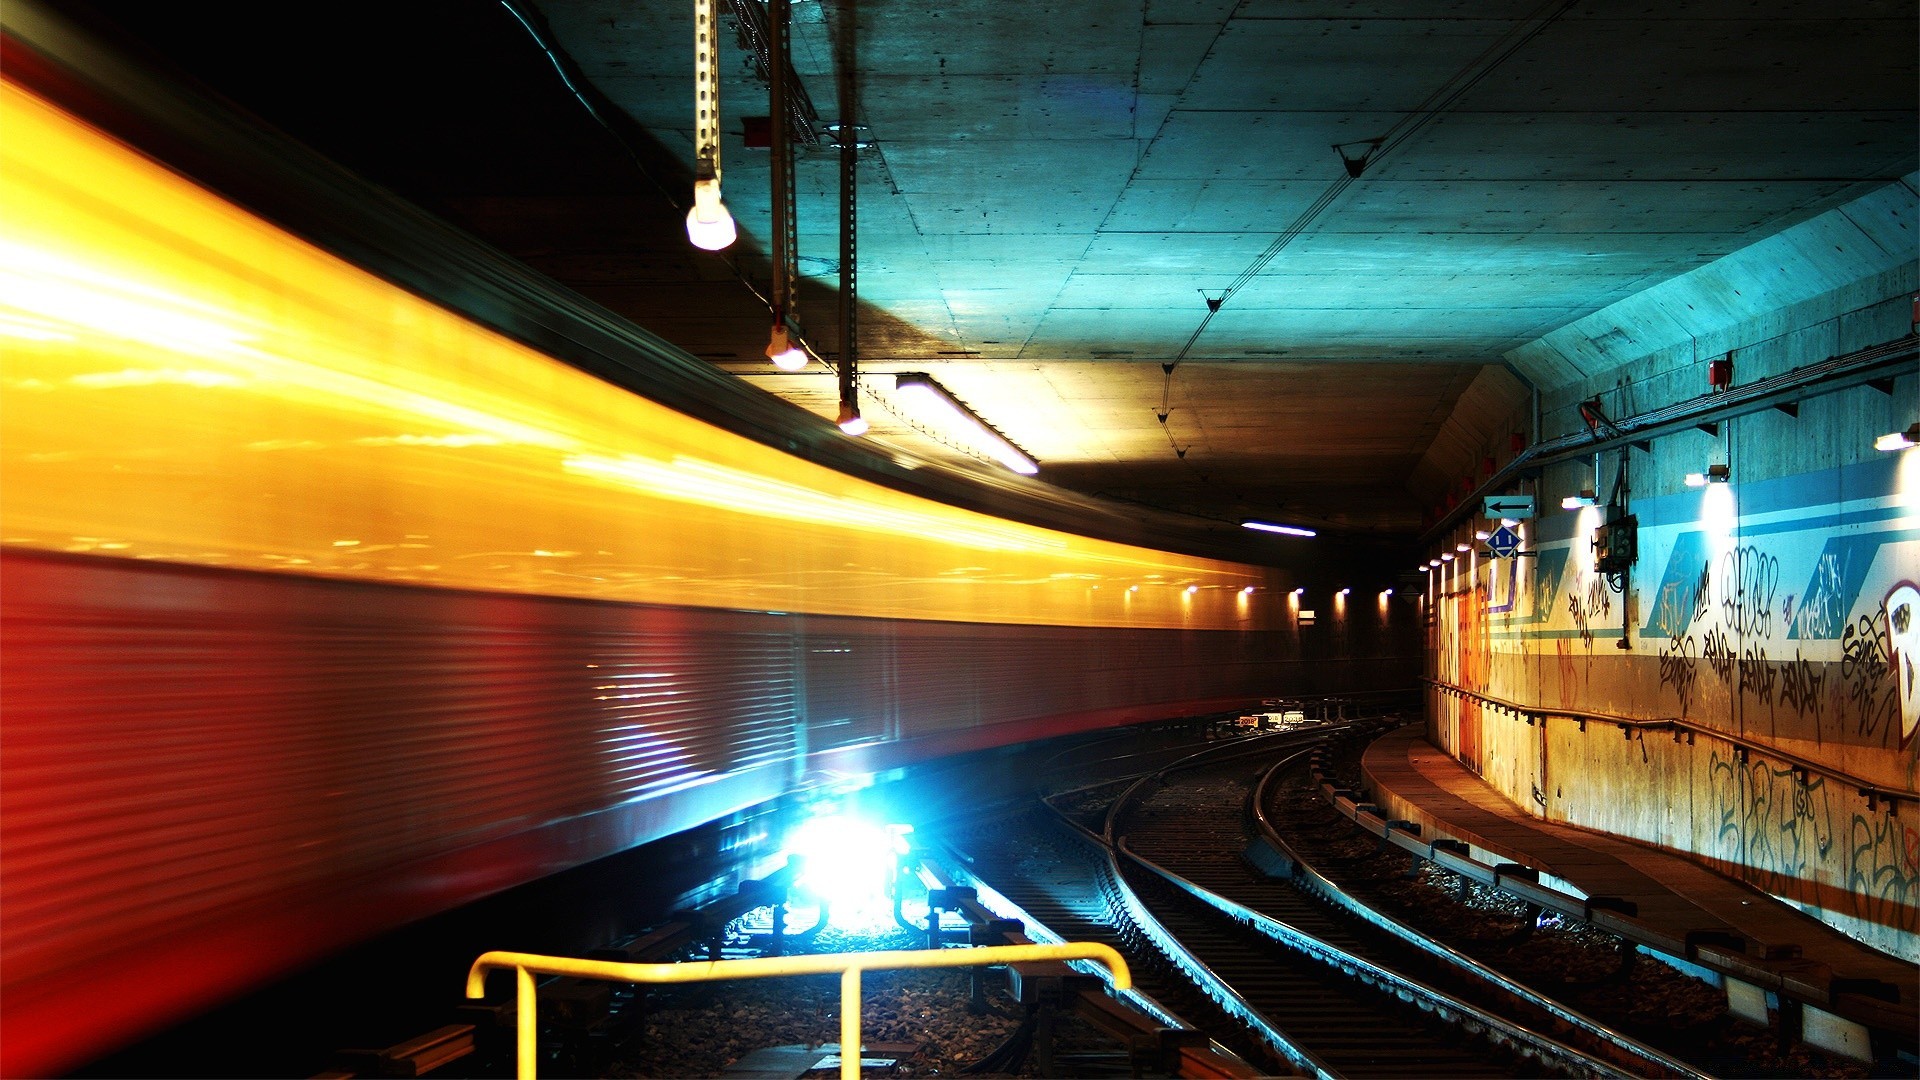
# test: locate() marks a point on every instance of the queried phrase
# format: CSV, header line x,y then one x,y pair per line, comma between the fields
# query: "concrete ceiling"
x,y
1049,195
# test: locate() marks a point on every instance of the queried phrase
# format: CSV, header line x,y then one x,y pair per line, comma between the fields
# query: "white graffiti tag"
x,y
1903,634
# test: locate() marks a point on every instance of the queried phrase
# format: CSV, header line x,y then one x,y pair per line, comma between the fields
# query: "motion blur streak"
x,y
324,609
193,385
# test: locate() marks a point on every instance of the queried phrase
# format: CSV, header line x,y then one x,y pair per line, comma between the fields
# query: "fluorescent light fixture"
x,y
1575,502
1715,474
783,352
1268,526
1898,440
850,420
709,224
931,404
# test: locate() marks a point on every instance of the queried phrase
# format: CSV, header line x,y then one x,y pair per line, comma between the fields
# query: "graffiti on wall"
x,y
1883,869
1778,825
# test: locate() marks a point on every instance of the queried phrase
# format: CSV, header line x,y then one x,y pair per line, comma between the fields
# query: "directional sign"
x,y
1504,542
1517,507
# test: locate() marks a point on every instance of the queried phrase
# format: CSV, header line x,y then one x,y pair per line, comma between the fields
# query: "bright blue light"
x,y
849,866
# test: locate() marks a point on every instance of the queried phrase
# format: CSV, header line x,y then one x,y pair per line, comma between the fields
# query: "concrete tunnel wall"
x,y
1782,607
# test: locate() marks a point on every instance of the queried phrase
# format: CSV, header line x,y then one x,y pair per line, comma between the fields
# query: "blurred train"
x,y
349,573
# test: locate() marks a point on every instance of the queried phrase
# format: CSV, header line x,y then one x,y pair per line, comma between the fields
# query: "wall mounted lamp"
x,y
1463,547
931,404
1384,593
1343,592
1575,502
1446,556
1285,530
1482,534
1433,564
1898,440
1715,474
1301,591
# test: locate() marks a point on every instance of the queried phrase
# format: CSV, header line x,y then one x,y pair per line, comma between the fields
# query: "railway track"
x,y
1160,871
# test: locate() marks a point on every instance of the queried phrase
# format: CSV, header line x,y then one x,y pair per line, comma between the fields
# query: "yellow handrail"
x,y
849,965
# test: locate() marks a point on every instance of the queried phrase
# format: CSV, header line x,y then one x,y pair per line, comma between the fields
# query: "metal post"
x,y
785,253
850,1024
849,215
529,1028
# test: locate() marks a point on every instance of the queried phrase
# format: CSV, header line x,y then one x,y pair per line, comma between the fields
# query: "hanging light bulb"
x,y
709,224
850,420
783,352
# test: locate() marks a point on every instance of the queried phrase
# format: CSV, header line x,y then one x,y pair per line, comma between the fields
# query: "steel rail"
x,y
1521,1039
1525,1041
1304,874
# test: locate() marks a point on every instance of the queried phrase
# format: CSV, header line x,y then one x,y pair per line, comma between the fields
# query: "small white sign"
x,y
1517,507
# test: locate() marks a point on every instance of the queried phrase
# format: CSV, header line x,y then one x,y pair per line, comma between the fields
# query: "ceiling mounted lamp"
x,y
931,404
1715,474
1898,440
1284,530
709,225
850,420
783,352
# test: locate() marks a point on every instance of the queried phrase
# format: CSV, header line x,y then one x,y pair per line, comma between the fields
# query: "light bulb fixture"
x,y
1715,474
1248,591
1509,522
1463,547
850,420
709,224
1482,534
1446,556
1343,592
930,403
1285,530
783,352
1384,593
1433,564
1301,591
1575,502
1899,440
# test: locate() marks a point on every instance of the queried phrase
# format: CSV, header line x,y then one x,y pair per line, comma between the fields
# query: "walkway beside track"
x,y
1659,899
